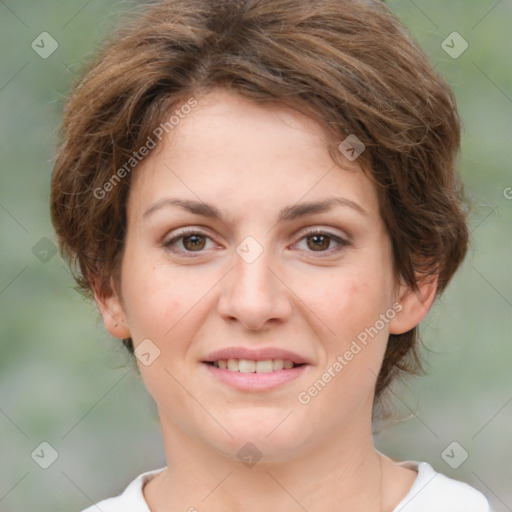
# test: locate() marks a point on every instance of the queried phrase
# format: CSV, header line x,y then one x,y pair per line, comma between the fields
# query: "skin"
x,y
250,161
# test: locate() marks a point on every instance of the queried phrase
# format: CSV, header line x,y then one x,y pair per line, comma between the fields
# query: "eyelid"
x,y
191,230
323,231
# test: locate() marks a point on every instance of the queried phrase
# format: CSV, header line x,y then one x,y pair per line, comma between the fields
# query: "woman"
x,y
261,197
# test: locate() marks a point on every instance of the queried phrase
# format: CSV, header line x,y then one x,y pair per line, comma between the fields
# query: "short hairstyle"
x,y
350,64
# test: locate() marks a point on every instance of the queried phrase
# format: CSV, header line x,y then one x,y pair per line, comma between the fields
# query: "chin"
x,y
273,432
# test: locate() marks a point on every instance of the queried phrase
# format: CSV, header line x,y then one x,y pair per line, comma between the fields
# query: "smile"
x,y
254,369
251,366
254,376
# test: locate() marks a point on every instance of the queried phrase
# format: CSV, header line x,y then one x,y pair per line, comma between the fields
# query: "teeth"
x,y
249,366
278,364
246,366
233,365
264,366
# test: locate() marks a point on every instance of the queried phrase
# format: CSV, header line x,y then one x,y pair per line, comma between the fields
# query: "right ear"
x,y
111,309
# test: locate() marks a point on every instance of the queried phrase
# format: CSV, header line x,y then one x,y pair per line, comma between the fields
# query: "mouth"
x,y
253,366
254,370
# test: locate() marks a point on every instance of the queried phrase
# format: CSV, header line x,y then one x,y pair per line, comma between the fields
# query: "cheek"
x,y
153,301
166,303
352,306
349,300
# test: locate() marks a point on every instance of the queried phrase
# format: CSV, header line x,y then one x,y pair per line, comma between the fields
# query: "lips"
x,y
255,370
262,354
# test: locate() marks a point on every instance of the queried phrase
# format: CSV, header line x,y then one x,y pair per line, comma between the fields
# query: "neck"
x,y
344,473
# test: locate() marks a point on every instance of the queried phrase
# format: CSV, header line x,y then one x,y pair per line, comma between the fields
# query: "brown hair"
x,y
348,63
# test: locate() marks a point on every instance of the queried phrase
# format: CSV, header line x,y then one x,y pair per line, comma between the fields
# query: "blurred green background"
x,y
64,381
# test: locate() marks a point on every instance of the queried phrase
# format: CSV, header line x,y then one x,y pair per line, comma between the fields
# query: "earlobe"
x,y
415,304
112,310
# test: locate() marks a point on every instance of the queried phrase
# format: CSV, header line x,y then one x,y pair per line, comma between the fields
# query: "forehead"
x,y
225,124
230,147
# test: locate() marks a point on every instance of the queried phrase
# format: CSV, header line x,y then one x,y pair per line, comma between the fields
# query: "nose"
x,y
254,294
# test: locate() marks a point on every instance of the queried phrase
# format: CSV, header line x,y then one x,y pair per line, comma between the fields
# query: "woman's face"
x,y
228,249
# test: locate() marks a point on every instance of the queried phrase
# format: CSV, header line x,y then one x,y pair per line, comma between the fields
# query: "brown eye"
x,y
194,242
188,242
319,242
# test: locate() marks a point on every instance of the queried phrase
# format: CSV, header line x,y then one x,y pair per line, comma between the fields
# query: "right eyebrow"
x,y
197,207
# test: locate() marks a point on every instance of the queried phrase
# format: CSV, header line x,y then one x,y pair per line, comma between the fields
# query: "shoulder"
x,y
130,500
434,491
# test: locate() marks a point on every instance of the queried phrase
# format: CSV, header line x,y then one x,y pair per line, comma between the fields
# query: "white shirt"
x,y
430,492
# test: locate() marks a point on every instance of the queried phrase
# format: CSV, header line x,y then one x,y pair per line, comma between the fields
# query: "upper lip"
x,y
260,354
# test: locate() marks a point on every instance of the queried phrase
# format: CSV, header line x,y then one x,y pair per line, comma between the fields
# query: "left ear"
x,y
415,304
111,309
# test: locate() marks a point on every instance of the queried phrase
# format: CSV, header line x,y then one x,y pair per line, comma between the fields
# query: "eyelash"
x,y
342,243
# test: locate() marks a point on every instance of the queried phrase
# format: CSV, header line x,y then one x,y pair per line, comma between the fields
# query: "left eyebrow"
x,y
302,209
288,213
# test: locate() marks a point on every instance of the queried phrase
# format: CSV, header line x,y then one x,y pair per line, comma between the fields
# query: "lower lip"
x,y
255,381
